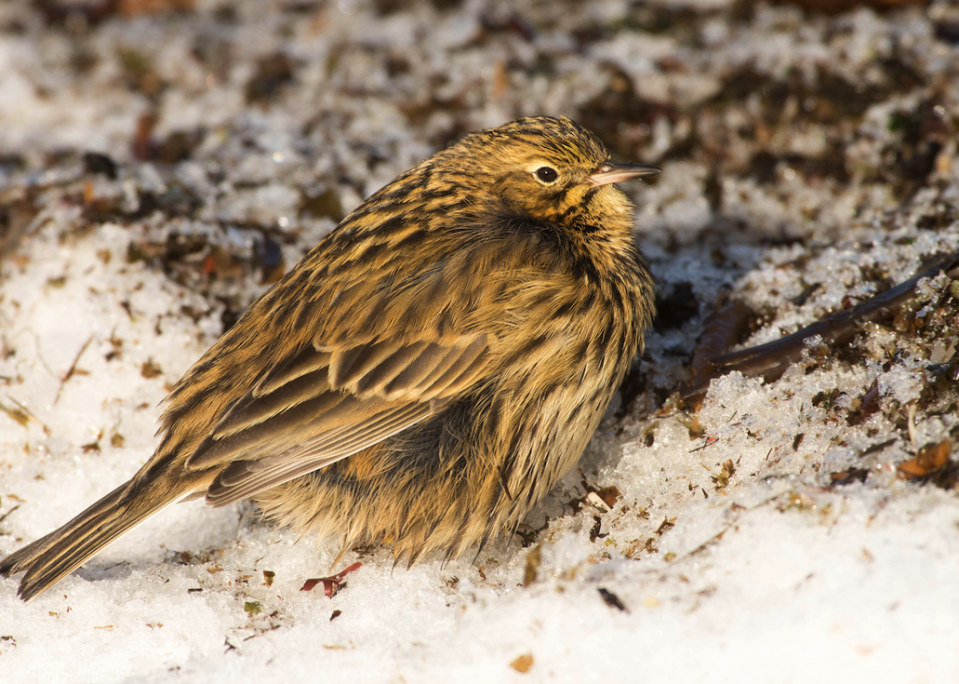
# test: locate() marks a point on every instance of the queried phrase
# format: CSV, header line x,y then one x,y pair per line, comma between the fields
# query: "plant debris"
x,y
333,583
523,663
612,600
927,461
534,557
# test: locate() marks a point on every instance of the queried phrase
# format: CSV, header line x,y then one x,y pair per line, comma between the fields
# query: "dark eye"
x,y
546,174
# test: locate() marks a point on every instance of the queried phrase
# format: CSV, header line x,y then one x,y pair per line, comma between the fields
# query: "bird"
x,y
424,375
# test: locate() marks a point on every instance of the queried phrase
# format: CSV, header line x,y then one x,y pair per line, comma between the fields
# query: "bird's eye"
x,y
546,174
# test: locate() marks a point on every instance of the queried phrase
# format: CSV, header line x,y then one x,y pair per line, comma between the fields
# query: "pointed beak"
x,y
614,172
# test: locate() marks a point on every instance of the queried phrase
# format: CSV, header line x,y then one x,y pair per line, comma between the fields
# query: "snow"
x,y
766,537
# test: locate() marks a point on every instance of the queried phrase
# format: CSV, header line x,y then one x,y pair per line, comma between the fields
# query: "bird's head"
x,y
552,170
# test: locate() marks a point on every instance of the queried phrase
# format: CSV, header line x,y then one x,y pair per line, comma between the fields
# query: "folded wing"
x,y
323,405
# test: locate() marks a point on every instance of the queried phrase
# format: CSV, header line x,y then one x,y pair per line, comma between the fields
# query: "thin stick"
x,y
72,369
772,358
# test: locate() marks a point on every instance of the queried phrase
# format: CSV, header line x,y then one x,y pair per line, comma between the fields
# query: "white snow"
x,y
763,571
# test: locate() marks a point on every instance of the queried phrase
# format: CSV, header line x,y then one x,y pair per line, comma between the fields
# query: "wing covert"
x,y
323,405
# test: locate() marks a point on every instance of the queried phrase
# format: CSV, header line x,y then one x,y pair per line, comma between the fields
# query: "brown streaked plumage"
x,y
424,375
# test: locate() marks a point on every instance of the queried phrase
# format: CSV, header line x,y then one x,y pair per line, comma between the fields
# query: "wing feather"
x,y
349,365
244,478
470,364
322,405
254,408
388,368
289,371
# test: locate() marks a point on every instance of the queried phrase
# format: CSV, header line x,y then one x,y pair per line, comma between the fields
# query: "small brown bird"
x,y
424,375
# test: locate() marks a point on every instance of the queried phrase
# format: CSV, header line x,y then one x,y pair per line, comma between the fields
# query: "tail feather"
x,y
50,558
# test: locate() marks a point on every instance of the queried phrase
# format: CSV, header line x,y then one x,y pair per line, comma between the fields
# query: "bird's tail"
x,y
50,558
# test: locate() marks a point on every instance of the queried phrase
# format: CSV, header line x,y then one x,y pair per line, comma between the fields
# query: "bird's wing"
x,y
346,361
324,404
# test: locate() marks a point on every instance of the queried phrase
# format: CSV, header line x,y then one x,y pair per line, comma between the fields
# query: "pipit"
x,y
424,375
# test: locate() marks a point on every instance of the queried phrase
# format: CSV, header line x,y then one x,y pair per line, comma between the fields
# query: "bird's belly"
x,y
452,481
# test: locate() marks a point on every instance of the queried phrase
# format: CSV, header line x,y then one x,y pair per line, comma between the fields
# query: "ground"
x,y
163,162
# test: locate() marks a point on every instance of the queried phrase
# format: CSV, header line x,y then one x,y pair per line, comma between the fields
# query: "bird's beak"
x,y
614,172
